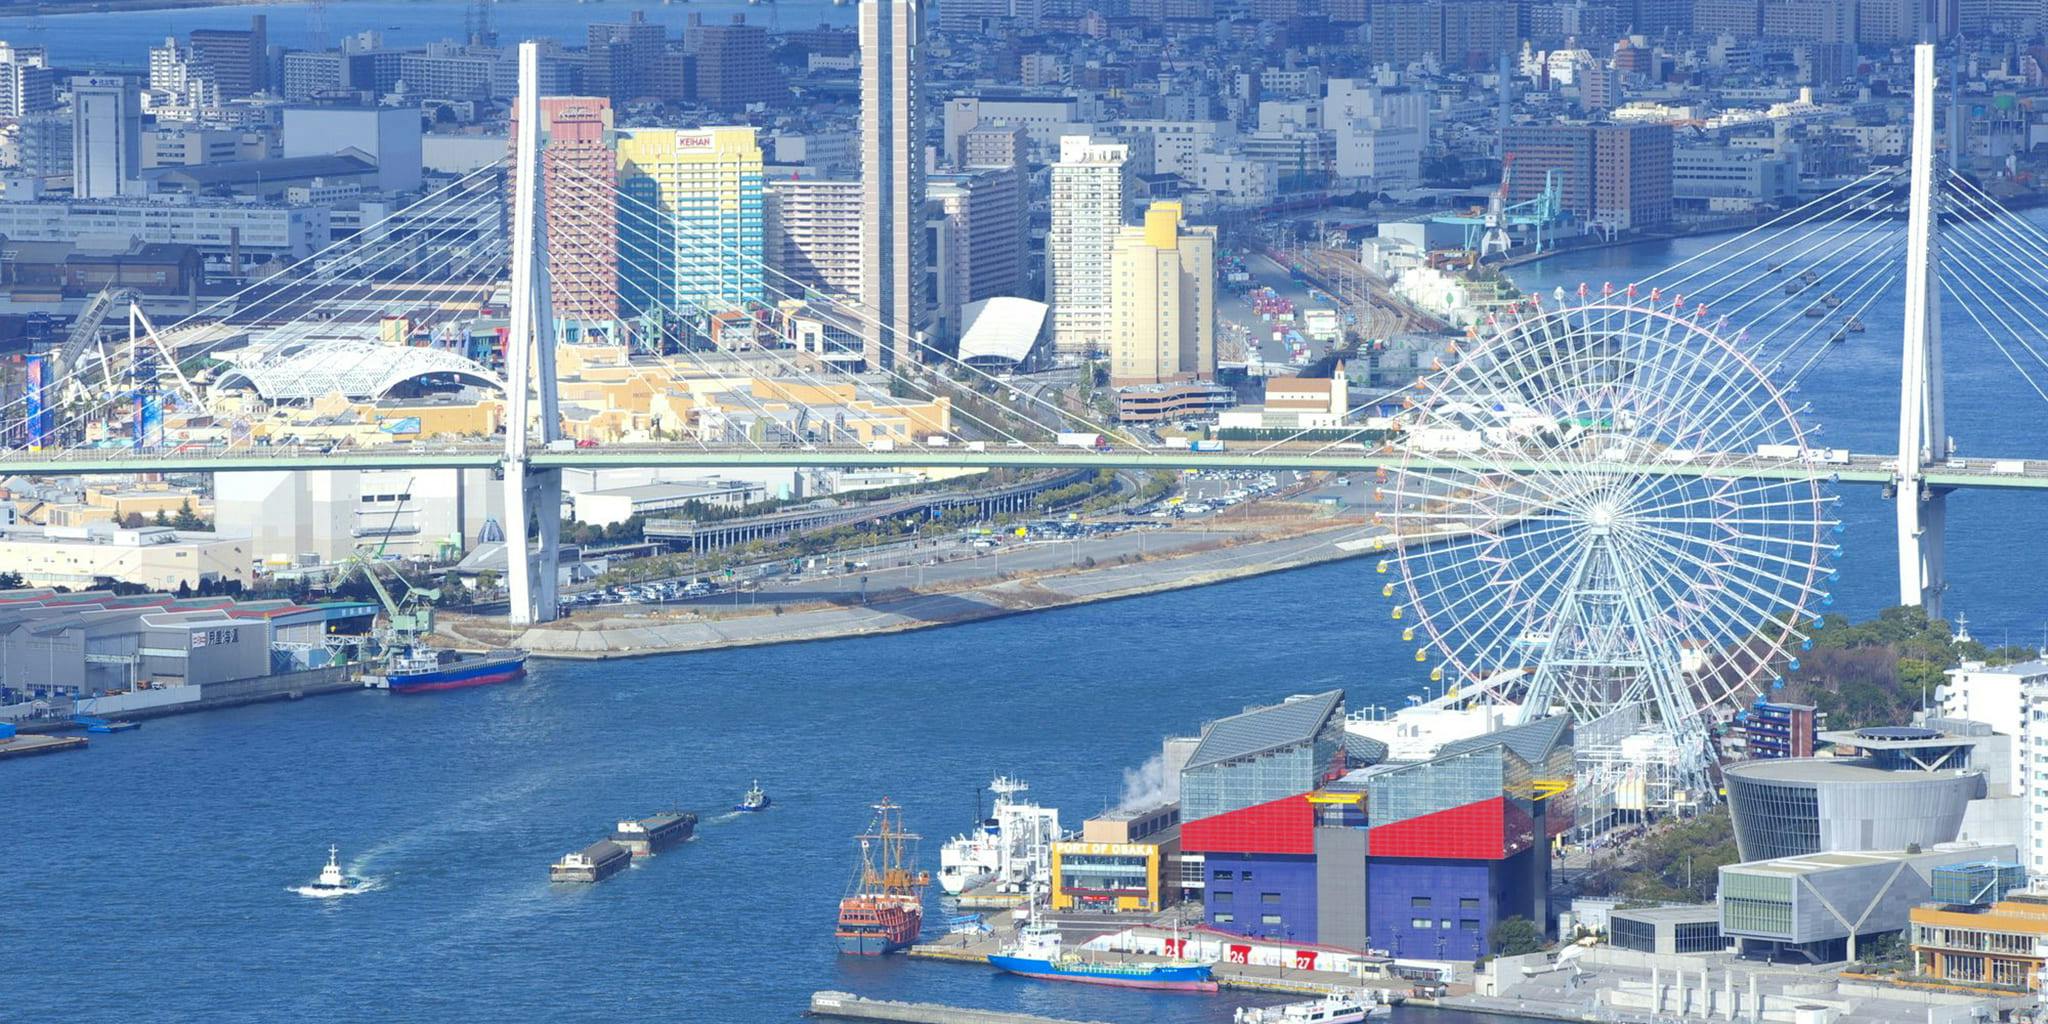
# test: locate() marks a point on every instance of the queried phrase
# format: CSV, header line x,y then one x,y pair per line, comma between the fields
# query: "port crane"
x,y
408,617
1492,232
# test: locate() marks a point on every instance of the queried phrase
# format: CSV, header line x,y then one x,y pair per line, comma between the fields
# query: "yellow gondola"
x,y
1387,591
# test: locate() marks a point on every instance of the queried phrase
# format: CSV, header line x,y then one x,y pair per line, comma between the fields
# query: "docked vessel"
x,y
1010,849
1037,954
754,800
1335,1008
424,669
884,911
644,836
594,863
331,881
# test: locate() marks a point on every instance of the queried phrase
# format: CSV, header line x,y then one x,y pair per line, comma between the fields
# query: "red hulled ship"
x,y
884,912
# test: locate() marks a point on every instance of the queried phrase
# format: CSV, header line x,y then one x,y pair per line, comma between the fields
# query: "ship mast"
x,y
886,867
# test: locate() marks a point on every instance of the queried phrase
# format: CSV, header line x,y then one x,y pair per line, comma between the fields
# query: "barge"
x,y
647,836
594,863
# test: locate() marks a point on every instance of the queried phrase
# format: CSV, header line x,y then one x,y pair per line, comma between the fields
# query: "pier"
x,y
31,744
852,1007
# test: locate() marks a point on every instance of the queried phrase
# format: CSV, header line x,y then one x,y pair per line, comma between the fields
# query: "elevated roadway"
x,y
1862,469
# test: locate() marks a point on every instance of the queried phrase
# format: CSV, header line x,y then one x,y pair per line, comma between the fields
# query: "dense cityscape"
x,y
582,490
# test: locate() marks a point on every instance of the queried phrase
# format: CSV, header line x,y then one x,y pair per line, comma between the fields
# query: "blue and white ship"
x,y
1037,954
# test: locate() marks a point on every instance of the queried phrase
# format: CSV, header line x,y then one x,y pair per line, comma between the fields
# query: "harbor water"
x,y
164,861
94,40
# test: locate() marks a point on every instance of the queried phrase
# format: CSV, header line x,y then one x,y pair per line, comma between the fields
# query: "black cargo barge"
x,y
594,863
655,834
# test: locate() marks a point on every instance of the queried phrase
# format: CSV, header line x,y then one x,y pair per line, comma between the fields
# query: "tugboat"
x,y
755,800
884,911
1036,954
331,881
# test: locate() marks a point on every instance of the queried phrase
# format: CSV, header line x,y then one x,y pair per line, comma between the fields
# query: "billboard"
x,y
37,417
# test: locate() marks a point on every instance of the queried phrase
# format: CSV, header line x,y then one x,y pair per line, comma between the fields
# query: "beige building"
x,y
1162,300
157,557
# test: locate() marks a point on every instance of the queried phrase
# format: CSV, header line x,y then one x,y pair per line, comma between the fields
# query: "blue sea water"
x,y
95,39
150,877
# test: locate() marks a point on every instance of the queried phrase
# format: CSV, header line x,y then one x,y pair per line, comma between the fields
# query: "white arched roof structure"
x,y
1002,328
356,367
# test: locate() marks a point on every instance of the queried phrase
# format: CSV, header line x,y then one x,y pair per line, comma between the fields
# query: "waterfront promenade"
x,y
1025,578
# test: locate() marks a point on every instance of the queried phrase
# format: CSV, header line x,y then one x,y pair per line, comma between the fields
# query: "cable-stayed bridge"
x,y
1613,495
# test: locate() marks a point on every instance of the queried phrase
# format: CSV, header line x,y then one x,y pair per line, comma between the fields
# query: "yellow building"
x,y
691,233
2005,943
1124,861
1162,322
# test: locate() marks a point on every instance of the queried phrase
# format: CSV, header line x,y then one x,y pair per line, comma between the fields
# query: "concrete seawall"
x,y
912,610
853,1007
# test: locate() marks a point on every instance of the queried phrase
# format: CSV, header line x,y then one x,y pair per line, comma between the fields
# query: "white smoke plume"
x,y
1149,785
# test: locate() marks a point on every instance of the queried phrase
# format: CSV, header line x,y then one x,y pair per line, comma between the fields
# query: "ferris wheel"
x,y
1608,503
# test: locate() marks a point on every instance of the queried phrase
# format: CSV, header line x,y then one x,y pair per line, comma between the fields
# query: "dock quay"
x,y
852,1007
31,744
1242,977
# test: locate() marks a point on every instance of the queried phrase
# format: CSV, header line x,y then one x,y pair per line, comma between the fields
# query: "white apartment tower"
x,y
892,175
106,138
175,71
2013,700
1091,187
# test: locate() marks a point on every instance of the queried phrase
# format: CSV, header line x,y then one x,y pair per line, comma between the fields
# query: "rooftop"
x,y
1828,769
1291,722
1814,863
1677,913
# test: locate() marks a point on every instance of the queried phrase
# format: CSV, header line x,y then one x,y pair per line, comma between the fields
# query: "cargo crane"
x,y
85,338
407,618
1494,230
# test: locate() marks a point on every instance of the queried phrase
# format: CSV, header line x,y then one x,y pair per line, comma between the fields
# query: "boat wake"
x,y
720,819
479,814
313,892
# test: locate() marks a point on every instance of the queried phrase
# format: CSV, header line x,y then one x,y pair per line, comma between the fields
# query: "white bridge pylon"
x,y
533,495
1923,425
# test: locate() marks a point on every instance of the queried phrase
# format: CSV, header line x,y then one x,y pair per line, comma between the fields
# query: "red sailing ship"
x,y
884,912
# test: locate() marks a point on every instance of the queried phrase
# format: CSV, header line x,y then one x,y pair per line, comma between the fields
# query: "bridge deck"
x,y
1867,469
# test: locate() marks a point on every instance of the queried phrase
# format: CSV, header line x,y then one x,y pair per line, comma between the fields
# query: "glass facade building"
x,y
1796,806
1263,755
692,232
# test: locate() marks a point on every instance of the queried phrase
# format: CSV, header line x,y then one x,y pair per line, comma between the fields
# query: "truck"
x,y
1069,439
881,444
977,446
1777,451
2009,467
1210,445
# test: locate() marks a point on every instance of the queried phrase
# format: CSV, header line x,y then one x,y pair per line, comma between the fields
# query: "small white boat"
x,y
331,881
1335,1008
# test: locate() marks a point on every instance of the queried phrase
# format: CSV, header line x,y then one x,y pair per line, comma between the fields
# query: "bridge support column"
x,y
533,496
1922,512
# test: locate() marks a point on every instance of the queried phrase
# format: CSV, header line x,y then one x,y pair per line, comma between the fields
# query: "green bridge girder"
x,y
1866,470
